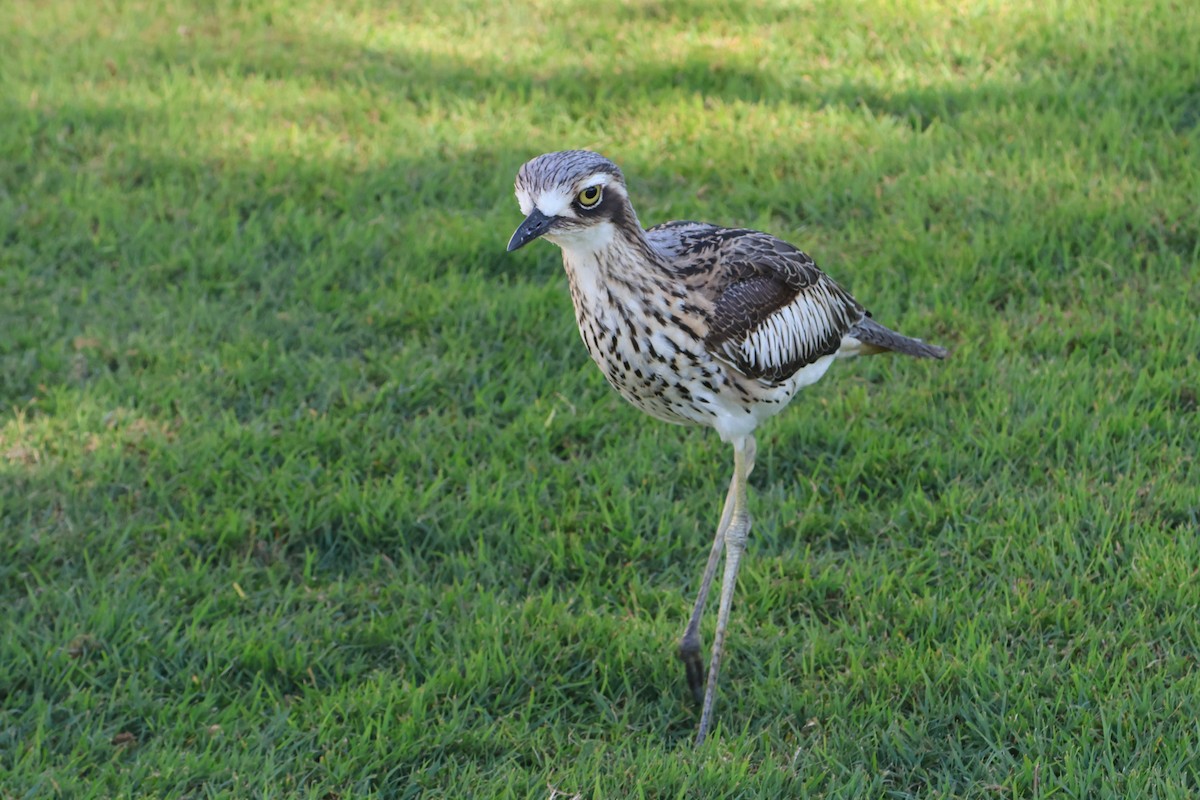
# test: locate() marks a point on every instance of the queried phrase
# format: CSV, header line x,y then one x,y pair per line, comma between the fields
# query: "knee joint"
x,y
738,531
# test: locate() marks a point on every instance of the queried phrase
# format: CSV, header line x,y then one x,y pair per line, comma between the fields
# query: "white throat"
x,y
587,242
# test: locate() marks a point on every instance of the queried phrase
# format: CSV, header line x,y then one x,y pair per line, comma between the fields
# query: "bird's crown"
x,y
564,169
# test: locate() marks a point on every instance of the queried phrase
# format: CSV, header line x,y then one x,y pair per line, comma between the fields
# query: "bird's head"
x,y
575,198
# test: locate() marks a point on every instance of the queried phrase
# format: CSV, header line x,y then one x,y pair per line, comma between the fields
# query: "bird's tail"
x,y
877,339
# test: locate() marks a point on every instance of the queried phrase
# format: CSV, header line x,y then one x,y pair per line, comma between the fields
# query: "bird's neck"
x,y
609,265
616,275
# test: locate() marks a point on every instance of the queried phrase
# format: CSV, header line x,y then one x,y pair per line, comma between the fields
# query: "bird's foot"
x,y
689,654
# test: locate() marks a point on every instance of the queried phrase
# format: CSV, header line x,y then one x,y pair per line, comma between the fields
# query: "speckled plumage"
x,y
694,324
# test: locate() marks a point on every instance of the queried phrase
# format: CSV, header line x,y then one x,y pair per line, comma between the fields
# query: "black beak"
x,y
535,225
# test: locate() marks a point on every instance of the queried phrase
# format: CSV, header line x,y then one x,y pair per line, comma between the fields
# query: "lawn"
x,y
308,489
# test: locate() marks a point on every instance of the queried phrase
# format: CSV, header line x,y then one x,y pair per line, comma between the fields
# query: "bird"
x,y
695,324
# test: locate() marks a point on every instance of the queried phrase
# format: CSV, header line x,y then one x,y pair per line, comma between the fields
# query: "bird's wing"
x,y
773,310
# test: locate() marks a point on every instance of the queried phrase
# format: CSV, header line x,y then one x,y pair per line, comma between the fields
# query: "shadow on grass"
x,y
1058,71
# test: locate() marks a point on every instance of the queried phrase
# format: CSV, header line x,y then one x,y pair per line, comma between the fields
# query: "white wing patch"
x,y
792,336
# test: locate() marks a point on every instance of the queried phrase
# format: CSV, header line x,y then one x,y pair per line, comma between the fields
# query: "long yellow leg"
x,y
689,645
737,529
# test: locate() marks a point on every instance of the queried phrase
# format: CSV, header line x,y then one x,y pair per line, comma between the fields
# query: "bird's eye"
x,y
589,196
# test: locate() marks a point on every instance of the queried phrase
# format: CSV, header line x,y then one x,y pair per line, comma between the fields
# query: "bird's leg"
x,y
689,645
735,542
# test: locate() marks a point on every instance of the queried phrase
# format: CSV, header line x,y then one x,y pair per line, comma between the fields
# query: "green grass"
x,y
308,489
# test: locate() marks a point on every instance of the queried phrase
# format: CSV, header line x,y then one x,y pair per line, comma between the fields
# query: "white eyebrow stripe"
x,y
555,202
595,179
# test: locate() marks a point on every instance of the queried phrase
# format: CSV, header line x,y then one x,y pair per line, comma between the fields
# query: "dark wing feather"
x,y
774,311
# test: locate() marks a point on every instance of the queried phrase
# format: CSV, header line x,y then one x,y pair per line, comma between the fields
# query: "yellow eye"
x,y
589,196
